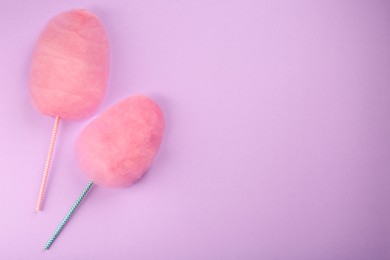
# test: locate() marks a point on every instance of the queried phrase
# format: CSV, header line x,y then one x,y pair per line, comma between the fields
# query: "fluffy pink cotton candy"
x,y
116,149
70,64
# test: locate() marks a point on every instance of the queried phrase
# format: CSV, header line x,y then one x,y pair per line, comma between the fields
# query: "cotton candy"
x,y
70,65
116,148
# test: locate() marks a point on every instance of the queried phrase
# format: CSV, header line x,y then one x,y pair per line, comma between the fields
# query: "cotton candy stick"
x,y
68,216
117,148
69,72
47,164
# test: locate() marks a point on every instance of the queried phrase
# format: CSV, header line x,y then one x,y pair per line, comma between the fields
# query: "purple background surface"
x,y
277,143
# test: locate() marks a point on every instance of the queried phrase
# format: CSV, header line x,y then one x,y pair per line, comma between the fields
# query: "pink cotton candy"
x,y
117,148
69,69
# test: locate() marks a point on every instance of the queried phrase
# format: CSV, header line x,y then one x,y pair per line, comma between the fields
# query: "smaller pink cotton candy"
x,y
116,148
69,68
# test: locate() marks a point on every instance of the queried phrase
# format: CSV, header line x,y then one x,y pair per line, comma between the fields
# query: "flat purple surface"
x,y
277,143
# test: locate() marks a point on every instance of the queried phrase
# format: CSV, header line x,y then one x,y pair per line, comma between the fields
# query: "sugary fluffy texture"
x,y
70,65
116,148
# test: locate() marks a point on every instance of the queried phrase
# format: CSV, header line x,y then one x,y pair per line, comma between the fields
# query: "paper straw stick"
x,y
47,165
68,216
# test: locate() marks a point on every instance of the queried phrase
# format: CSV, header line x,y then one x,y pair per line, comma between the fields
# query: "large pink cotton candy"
x,y
117,148
69,69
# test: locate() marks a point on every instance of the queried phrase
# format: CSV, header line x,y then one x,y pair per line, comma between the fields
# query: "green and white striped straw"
x,y
68,216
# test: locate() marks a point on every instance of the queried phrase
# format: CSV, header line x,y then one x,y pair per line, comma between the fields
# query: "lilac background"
x,y
278,137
